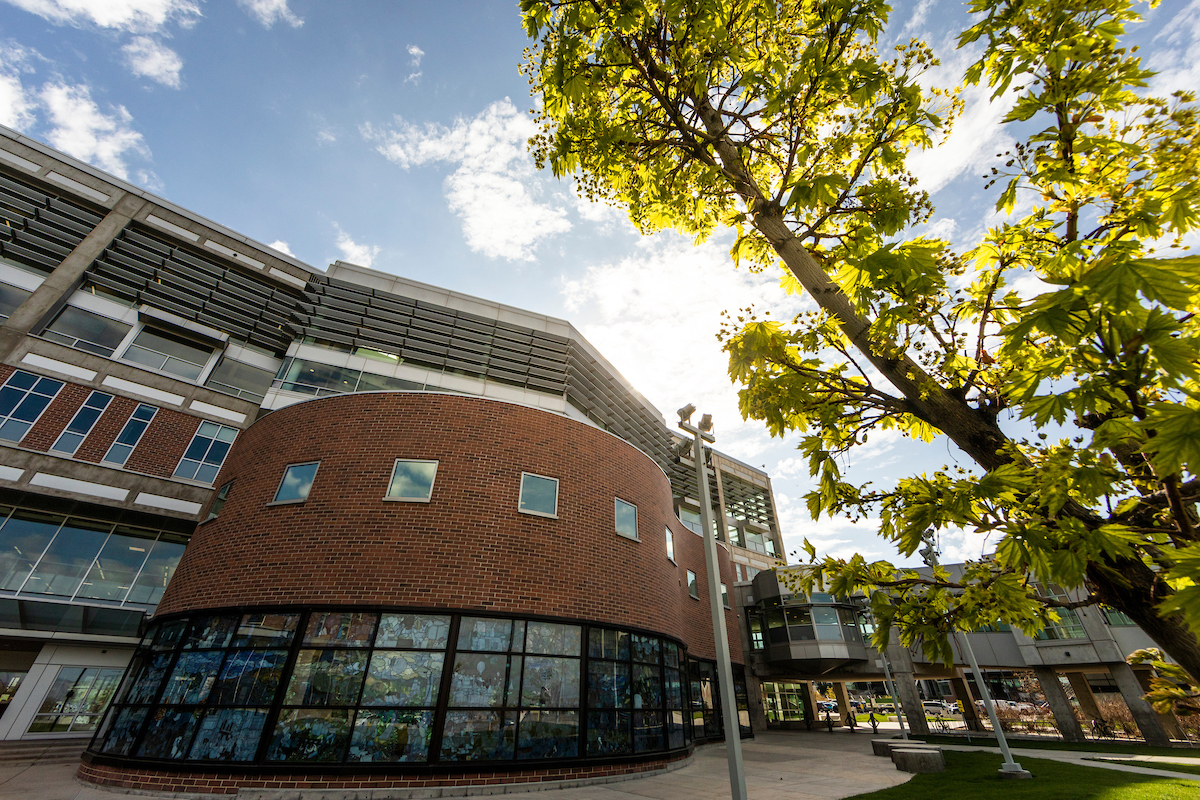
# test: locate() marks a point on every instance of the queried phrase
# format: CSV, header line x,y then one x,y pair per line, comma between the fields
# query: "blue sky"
x,y
391,134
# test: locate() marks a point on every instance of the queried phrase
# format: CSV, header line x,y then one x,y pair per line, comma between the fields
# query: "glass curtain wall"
x,y
379,687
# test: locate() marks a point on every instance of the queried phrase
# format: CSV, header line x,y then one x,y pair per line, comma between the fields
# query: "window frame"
x,y
105,461
390,498
54,448
168,331
635,537
692,581
282,478
50,398
671,546
218,502
521,495
220,427
725,597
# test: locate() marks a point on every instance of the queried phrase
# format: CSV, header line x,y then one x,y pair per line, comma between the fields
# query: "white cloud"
x,y
150,58
326,137
494,186
268,12
416,53
352,251
16,106
413,77
148,179
138,16
81,128
282,246
1177,53
918,17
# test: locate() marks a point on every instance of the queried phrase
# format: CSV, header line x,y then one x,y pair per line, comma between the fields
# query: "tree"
x,y
781,119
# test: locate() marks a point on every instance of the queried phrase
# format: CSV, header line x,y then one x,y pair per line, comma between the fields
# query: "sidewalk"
x,y
779,766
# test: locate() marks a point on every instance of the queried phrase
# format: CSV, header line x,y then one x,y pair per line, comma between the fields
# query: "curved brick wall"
x,y
468,548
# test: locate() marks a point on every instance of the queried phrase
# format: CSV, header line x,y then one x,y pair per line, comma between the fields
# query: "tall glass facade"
x,y
373,686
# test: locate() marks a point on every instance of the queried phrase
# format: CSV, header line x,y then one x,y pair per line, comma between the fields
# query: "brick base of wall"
x,y
145,780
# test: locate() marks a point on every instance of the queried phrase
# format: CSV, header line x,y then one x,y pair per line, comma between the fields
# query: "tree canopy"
x,y
783,120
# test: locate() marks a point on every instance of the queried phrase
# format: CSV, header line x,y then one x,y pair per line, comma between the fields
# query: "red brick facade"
x,y
468,548
229,783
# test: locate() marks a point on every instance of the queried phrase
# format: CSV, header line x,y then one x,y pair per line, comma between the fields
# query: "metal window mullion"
x,y
442,703
95,559
285,677
142,568
37,563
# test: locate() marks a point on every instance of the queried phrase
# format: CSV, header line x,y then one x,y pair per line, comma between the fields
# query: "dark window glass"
x,y
491,635
124,731
266,630
548,734
310,734
671,654
478,735
550,682
168,353
391,736
82,423
86,331
169,733
169,634
398,678
240,380
310,377
118,564
647,731
218,502
370,382
22,539
206,453
326,678
675,729
67,559
228,734
484,680
158,569
674,688
130,435
297,483
340,629
11,298
209,632
193,677
413,631
608,684
608,733
647,686
604,643
148,673
552,639
645,649
249,677
22,400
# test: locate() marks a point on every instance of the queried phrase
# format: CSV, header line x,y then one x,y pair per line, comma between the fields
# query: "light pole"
x,y
888,683
733,735
1010,768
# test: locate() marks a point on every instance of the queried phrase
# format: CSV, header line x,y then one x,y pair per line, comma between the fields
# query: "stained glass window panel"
x,y
603,643
266,630
608,733
491,635
148,677
647,687
413,631
548,734
209,632
550,682
340,629
478,736
326,678
647,731
552,639
123,732
484,680
645,649
608,684
403,679
391,736
169,733
228,734
193,677
249,677
304,734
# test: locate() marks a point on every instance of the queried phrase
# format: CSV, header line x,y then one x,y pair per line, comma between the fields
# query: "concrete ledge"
x,y
884,747
918,761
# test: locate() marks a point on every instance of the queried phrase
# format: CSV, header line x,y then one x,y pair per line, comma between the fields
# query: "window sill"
x,y
286,502
390,499
695,597
541,514
627,536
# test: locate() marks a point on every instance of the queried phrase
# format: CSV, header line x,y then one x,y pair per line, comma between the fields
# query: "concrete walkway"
x,y
1115,761
779,766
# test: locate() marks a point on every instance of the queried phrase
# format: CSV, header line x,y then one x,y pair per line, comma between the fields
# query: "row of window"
x,y
25,396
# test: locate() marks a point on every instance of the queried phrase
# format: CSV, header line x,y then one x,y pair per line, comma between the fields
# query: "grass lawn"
x,y
1193,769
973,775
1116,748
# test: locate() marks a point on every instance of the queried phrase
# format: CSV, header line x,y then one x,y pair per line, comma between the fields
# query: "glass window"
x,y
692,586
22,400
118,564
76,700
626,514
22,539
412,480
218,502
340,629
249,677
204,456
166,352
670,545
403,678
310,734
311,377
11,298
391,735
413,631
552,639
240,380
539,495
479,735
86,331
130,435
82,423
62,567
691,520
724,595
228,734
326,678
297,482
266,630
159,567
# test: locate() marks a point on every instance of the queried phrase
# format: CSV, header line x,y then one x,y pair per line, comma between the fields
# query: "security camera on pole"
x,y
733,737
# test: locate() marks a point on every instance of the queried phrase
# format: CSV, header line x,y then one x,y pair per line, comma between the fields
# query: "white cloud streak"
x,y
268,12
1177,53
150,58
494,186
16,106
81,128
136,16
417,54
282,246
352,251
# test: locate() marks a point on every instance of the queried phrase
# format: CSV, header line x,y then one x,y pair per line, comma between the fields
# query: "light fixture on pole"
x,y
1010,768
733,738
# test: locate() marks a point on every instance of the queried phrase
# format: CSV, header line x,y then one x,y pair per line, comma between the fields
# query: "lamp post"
x,y
888,683
733,738
1010,768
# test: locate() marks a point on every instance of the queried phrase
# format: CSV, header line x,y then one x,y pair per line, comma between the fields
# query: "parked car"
x,y
938,707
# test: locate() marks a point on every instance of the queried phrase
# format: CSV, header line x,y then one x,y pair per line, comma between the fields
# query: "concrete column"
x,y
812,709
1169,722
962,693
1083,693
758,708
66,275
845,710
1131,690
904,679
1060,706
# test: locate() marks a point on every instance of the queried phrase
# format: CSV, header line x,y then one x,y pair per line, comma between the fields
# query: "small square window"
x,y
626,514
297,482
670,545
412,480
539,495
693,587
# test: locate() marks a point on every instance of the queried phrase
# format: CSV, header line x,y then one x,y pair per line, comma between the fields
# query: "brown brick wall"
x,y
164,443
106,429
45,431
468,548
229,783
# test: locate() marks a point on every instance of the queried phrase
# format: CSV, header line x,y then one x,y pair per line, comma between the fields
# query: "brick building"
x,y
253,482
